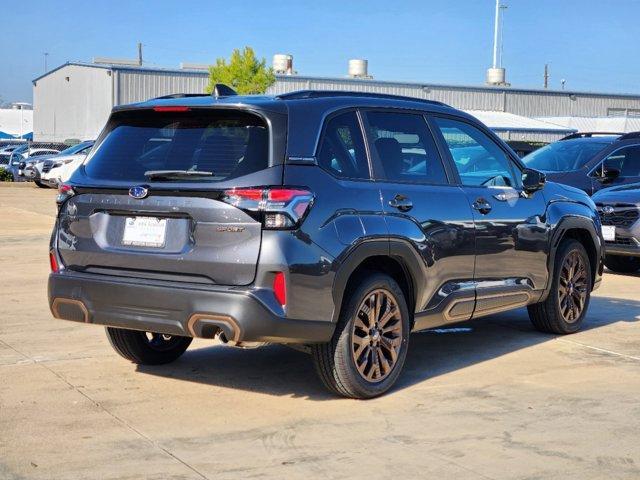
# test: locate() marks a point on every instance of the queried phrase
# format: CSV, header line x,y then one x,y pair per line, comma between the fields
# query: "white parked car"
x,y
56,170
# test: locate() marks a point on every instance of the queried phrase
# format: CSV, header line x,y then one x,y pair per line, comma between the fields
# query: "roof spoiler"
x,y
219,90
590,134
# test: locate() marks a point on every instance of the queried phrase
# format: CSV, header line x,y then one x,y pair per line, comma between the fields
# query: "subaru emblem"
x,y
138,192
608,209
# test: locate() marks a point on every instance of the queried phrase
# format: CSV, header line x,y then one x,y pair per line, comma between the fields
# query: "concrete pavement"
x,y
493,399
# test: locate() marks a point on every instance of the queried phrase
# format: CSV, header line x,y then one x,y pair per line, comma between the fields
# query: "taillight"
x,y
64,193
53,262
280,207
280,288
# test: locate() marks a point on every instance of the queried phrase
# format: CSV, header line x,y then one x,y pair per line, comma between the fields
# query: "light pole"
x,y
46,54
502,7
495,34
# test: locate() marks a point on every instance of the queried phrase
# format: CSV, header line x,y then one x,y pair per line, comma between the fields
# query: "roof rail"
x,y
628,136
181,95
589,135
303,94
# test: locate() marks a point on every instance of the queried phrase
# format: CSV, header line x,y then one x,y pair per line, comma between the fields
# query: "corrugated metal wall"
x,y
136,86
528,103
72,102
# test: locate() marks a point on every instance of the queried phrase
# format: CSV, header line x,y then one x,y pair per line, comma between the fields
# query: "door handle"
x,y
401,202
482,206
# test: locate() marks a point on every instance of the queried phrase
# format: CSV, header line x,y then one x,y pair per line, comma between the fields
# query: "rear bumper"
x,y
242,314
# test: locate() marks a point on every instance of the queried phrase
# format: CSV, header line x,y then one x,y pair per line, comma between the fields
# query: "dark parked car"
x,y
336,222
590,161
619,209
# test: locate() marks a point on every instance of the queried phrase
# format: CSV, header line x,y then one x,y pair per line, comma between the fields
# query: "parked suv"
x,y
336,222
590,161
619,209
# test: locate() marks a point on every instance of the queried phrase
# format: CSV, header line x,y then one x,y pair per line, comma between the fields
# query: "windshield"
x,y
228,144
563,156
75,148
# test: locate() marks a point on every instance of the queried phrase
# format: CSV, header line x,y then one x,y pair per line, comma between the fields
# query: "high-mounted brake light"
x,y
171,108
280,207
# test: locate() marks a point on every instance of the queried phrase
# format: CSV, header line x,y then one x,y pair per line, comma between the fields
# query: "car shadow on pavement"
x,y
618,274
281,371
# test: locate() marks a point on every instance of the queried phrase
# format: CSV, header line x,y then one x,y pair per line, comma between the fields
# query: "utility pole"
x,y
546,76
46,55
139,53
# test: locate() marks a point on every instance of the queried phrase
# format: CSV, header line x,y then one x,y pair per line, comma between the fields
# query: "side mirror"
x,y
609,172
532,180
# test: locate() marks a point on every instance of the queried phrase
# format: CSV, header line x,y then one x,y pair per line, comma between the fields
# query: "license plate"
x,y
609,233
144,231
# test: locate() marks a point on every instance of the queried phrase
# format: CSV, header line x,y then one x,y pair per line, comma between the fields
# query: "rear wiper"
x,y
176,174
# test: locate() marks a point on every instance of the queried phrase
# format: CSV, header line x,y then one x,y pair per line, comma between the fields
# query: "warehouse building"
x,y
73,101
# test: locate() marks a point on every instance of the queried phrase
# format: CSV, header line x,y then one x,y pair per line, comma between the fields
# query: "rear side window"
x,y
405,148
228,144
342,152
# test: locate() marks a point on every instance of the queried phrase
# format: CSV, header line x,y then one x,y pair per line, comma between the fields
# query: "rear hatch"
x,y
152,199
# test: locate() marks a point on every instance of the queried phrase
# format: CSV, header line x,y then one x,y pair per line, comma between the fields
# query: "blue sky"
x,y
594,45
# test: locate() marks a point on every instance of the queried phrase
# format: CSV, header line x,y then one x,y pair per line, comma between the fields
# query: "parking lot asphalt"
x,y
490,399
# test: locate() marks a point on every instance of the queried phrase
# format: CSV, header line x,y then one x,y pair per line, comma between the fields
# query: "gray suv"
x,y
619,209
334,222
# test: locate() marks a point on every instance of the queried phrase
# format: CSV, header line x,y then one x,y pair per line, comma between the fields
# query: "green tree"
x,y
244,73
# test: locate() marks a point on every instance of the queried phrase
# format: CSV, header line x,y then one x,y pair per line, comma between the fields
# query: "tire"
x,y
40,184
620,264
556,314
139,348
336,362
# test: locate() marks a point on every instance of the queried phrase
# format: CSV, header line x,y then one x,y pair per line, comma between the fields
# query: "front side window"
x,y
627,160
405,147
478,159
342,152
228,144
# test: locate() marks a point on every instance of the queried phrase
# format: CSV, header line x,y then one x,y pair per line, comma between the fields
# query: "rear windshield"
x,y
228,144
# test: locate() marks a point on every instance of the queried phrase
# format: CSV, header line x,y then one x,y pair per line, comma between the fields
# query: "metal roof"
x,y
504,121
597,124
